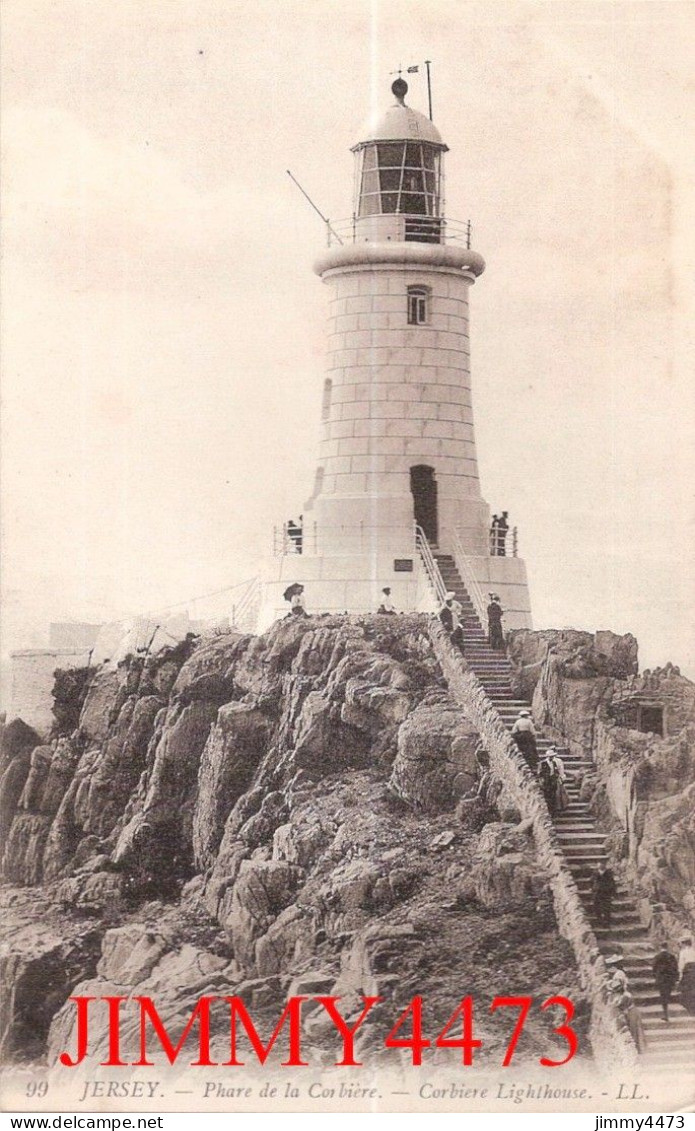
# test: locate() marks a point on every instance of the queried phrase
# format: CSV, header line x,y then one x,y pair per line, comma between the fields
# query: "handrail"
x,y
244,613
472,585
431,568
448,230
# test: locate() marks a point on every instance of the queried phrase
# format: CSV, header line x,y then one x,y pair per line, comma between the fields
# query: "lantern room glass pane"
x,y
401,177
390,156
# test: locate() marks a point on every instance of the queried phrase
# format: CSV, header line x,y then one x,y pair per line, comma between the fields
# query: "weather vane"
x,y
414,70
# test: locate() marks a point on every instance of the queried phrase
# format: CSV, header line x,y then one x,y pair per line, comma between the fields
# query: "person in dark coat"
x,y
547,779
665,970
524,734
294,533
494,623
493,536
502,528
604,889
449,618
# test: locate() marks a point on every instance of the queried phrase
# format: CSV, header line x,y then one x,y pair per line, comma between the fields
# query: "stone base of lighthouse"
x,y
352,583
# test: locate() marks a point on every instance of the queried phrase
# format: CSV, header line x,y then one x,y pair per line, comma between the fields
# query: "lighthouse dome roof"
x,y
400,123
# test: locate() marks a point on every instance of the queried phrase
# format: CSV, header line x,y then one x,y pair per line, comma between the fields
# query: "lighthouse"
x,y
396,501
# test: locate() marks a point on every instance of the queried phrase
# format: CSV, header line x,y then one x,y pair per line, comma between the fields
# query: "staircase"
x,y
669,1045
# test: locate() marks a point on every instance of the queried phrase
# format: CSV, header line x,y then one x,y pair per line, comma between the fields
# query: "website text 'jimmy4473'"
x,y
407,1033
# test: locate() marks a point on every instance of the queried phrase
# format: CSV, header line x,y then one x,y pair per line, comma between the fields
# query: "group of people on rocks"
x,y
450,615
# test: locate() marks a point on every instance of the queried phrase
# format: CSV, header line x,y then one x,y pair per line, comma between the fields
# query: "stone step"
x,y
676,1022
620,932
671,1035
656,1055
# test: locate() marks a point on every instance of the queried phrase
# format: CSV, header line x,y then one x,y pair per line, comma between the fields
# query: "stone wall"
x,y
608,1031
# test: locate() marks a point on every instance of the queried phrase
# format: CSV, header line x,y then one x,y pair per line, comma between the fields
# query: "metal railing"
x,y
416,228
468,577
431,568
245,612
499,542
355,538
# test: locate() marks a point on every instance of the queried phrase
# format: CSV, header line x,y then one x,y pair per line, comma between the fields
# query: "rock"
x,y
233,751
158,838
505,870
17,738
436,746
41,960
444,840
262,890
66,755
22,861
129,954
39,763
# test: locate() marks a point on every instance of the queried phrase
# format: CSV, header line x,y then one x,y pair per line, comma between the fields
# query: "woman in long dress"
x,y
561,800
686,969
634,1021
494,623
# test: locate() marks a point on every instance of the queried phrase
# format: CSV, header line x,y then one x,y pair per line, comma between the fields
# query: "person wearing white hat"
x,y
524,734
449,617
619,981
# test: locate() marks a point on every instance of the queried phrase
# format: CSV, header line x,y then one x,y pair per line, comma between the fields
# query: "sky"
x,y
163,330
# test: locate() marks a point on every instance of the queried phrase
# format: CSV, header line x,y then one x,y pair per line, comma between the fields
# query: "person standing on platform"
x,y
524,734
494,623
386,608
493,535
449,618
294,533
604,890
502,528
665,970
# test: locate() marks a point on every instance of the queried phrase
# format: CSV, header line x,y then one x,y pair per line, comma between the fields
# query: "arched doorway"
x,y
424,488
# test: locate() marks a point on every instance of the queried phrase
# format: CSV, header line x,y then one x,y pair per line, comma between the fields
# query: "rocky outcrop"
x,y
294,799
637,731
435,764
519,788
40,962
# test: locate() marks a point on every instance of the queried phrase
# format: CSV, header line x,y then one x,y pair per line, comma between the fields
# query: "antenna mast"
x,y
429,86
318,210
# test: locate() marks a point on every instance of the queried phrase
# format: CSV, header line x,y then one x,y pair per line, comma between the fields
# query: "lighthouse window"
x,y
417,305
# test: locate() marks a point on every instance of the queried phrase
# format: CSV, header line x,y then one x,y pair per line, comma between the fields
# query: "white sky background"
x,y
164,332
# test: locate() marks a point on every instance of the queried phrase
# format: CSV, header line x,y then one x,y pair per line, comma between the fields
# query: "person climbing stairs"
x,y
670,1044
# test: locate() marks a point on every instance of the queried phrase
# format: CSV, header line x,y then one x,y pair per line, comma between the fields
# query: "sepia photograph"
x,y
347,664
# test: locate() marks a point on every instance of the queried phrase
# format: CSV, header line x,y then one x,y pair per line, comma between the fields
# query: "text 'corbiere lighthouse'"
x,y
396,490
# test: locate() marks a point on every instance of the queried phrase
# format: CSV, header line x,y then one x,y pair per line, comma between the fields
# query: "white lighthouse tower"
x,y
396,488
